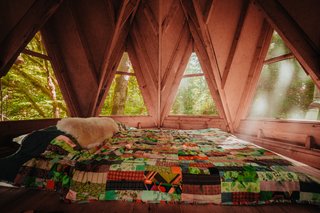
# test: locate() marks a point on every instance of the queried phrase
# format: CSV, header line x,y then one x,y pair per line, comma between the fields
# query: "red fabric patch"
x,y
245,197
126,175
50,184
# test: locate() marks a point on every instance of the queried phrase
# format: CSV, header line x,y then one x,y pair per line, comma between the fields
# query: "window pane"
x,y
125,64
277,47
124,97
284,91
193,65
30,91
36,44
193,98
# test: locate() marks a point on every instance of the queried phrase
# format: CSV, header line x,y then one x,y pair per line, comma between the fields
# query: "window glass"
x,y
124,96
285,92
193,96
30,89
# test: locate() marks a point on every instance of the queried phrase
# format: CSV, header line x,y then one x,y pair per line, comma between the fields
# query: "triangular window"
x,y
284,90
193,96
30,89
124,96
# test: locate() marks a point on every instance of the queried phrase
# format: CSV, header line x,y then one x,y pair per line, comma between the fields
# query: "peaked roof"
x,y
85,41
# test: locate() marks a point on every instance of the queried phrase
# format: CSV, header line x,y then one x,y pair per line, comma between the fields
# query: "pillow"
x,y
89,132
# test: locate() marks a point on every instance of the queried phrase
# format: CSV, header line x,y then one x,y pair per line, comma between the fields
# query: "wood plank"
x,y
35,54
126,8
170,16
141,48
235,41
173,56
60,71
292,151
297,40
208,11
207,56
143,79
24,31
300,139
172,89
279,58
254,73
150,17
84,43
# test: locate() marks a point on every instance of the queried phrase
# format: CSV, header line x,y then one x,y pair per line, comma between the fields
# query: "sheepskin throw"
x,y
89,132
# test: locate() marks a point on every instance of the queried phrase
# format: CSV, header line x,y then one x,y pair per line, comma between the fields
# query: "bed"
x,y
170,166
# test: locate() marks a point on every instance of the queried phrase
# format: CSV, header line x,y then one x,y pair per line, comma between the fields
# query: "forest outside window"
x,y
124,96
30,89
284,90
193,96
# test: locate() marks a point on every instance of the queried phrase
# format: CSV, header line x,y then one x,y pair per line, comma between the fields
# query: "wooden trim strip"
x,y
235,42
35,54
125,73
279,58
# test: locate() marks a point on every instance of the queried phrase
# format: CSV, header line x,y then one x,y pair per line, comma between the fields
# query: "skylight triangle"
x,y
30,89
193,96
284,89
124,96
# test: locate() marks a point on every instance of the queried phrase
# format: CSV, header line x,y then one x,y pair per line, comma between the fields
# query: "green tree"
x,y
30,90
124,96
284,90
193,96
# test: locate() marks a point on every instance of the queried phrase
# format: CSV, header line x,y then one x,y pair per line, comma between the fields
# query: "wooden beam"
x,y
24,31
208,11
279,58
137,37
209,67
60,71
147,90
176,82
126,8
204,32
159,73
254,73
235,42
110,12
199,29
193,75
168,69
150,17
35,54
125,73
170,16
297,40
83,40
115,58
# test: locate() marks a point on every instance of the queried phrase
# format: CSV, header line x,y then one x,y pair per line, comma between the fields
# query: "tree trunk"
x,y
53,94
121,88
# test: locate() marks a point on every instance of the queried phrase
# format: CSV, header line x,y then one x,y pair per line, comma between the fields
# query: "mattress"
x,y
171,166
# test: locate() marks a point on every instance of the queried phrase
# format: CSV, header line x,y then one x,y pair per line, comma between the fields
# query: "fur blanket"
x,y
89,132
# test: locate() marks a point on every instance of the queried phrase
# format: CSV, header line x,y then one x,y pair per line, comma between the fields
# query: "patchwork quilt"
x,y
192,166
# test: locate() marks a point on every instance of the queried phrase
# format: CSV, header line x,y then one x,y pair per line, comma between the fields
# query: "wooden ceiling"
x,y
86,39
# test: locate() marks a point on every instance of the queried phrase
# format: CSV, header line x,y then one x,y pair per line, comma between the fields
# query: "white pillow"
x,y
89,132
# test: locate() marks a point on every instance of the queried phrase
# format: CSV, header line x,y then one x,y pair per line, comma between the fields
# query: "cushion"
x,y
89,132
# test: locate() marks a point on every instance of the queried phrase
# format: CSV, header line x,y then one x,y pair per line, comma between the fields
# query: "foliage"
x,y
30,90
134,104
284,90
193,97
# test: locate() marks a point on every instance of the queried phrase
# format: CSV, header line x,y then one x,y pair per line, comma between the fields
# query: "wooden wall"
x,y
289,138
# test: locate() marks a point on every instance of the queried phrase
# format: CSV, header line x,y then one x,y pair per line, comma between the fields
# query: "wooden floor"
x,y
21,200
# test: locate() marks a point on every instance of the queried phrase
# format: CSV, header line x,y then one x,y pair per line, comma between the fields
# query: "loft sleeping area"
x,y
148,106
